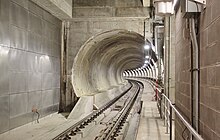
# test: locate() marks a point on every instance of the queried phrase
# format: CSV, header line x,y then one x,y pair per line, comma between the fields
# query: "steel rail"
x,y
112,130
65,134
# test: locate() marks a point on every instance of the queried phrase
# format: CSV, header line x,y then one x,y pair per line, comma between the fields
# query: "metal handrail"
x,y
167,114
190,128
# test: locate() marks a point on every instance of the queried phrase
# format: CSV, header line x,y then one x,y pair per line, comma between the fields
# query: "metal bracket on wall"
x,y
194,70
191,7
200,1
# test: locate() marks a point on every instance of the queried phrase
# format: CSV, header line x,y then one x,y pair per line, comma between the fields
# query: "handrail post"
x,y
165,112
161,100
160,104
171,124
167,117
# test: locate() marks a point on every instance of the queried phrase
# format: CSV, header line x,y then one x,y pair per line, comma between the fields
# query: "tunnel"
x,y
101,61
109,69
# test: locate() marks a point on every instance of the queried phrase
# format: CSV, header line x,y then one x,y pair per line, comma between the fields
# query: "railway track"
x,y
106,123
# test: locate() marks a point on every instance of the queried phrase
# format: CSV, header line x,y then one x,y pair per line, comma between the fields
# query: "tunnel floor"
x,y
150,126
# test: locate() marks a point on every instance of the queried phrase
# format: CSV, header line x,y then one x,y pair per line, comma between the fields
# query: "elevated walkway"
x,y
151,125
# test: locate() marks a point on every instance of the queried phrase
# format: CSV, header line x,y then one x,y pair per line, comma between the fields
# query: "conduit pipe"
x,y
195,71
167,63
167,56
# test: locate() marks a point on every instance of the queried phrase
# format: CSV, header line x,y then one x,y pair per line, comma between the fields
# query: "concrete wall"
x,y
91,18
112,3
183,66
209,121
29,62
210,71
82,29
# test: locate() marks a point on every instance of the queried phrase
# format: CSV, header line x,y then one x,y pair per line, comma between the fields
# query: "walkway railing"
x,y
166,108
169,109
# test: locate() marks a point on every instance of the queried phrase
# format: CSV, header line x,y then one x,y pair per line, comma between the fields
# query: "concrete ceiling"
x,y
61,9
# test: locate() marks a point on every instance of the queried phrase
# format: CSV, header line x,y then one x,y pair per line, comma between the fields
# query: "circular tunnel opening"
x,y
101,61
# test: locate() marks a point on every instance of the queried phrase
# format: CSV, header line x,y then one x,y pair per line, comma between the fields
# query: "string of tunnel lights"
x,y
143,69
166,7
147,57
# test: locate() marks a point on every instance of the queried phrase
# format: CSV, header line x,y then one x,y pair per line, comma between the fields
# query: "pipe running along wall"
x,y
100,62
195,72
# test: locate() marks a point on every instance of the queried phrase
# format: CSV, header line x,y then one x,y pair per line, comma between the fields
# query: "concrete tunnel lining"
x,y
100,62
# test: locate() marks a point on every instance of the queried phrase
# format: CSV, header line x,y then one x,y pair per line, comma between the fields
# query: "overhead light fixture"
x,y
45,57
144,66
163,8
4,50
146,47
147,57
146,62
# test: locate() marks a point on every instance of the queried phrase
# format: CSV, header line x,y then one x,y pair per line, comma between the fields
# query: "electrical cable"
x,y
38,116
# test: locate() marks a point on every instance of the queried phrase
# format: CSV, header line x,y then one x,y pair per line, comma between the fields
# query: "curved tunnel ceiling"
x,y
101,61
